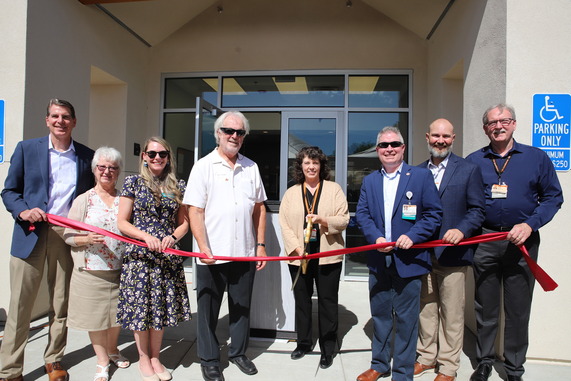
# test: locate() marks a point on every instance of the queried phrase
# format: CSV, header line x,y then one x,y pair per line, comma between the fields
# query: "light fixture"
x,y
220,9
349,4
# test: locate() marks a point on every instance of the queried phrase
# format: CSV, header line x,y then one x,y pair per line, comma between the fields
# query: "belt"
x,y
498,228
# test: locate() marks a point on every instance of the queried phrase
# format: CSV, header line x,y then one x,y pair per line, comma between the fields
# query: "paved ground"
x,y
271,356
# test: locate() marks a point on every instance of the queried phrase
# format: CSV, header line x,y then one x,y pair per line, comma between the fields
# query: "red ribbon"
x,y
546,282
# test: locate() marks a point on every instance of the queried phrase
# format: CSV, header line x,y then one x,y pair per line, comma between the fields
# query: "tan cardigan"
x,y
332,205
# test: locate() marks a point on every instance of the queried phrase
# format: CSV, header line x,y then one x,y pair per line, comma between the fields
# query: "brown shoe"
x,y
443,377
56,372
420,369
18,378
372,375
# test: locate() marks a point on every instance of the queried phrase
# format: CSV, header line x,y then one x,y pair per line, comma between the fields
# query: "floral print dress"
x,y
152,293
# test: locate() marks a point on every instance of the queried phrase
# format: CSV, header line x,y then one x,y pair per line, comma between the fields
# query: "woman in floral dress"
x,y
153,292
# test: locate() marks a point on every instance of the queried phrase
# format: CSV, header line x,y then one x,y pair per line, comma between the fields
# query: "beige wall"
x,y
508,52
53,46
12,80
537,62
294,35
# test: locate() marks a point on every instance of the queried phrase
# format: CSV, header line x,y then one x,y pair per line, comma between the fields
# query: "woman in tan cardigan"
x,y
323,202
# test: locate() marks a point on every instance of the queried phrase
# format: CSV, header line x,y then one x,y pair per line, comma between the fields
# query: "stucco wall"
x,y
12,78
508,53
537,62
53,45
294,35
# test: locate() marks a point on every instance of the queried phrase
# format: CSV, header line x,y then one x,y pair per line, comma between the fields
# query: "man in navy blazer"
x,y
442,297
398,203
45,175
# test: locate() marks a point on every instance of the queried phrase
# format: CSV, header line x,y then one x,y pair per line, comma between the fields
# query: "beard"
x,y
439,153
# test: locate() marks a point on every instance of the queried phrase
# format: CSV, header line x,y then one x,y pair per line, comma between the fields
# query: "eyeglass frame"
x,y
504,122
394,144
103,168
153,154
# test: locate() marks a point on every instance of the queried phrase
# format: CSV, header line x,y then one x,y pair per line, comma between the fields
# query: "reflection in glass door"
x,y
304,129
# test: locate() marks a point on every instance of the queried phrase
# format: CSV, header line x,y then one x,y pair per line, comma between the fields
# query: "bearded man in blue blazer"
x,y
398,203
45,175
442,297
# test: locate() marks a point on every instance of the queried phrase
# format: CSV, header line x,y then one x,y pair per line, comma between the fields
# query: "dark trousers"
x,y
212,281
395,303
497,263
326,279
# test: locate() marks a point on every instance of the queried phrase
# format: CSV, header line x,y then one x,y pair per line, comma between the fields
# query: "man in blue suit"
x,y
398,203
45,175
442,296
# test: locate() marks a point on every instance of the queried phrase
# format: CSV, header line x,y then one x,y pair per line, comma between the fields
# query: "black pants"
x,y
326,279
498,264
212,281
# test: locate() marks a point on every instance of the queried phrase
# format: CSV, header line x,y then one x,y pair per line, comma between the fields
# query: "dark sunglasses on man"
x,y
231,131
387,144
162,154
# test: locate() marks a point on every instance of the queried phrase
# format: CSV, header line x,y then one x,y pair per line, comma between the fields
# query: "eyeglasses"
x,y
387,144
504,122
162,154
103,168
231,131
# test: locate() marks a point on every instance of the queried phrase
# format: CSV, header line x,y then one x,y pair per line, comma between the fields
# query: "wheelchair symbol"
x,y
549,108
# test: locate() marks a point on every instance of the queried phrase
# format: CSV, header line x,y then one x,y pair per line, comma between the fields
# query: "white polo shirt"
x,y
228,197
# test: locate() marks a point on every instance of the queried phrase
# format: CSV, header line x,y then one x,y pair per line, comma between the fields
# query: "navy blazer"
x,y
463,203
370,218
27,187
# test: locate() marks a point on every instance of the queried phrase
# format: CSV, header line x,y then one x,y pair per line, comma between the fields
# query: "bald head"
x,y
440,138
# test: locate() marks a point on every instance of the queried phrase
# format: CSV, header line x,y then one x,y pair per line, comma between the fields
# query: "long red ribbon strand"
x,y
546,282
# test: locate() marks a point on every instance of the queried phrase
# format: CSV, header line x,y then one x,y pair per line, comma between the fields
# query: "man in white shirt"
x,y
228,218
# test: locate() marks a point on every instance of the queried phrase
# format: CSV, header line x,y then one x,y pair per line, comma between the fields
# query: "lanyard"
x,y
311,208
500,171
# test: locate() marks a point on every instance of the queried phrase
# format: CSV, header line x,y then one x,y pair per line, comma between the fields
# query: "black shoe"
x,y
325,361
211,373
299,352
244,364
514,378
482,372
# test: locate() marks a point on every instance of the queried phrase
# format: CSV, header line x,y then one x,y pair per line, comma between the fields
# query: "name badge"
x,y
313,236
409,212
500,190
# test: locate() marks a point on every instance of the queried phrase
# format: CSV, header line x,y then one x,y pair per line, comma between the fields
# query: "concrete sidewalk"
x,y
272,357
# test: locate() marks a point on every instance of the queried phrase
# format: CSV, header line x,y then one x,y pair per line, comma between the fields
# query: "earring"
x,y
145,164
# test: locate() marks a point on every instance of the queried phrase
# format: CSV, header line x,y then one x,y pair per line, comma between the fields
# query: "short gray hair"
x,y
220,121
108,153
392,129
501,107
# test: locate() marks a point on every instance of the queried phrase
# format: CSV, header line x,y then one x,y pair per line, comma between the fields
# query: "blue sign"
x,y
551,127
2,130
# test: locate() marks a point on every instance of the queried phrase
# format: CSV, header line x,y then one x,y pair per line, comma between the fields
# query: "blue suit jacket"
x,y
27,187
463,203
370,218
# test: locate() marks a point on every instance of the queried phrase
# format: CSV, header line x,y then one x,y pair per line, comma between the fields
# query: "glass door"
x,y
322,129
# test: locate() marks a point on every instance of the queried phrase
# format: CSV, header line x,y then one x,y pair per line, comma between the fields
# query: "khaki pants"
x,y
25,277
441,321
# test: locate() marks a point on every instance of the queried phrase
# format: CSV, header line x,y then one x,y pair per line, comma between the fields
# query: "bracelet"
x,y
261,244
173,237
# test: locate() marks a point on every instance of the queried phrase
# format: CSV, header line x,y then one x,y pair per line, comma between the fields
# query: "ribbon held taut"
x,y
545,281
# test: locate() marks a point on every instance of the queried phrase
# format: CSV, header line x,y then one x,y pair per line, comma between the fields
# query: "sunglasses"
x,y
387,144
162,154
231,131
